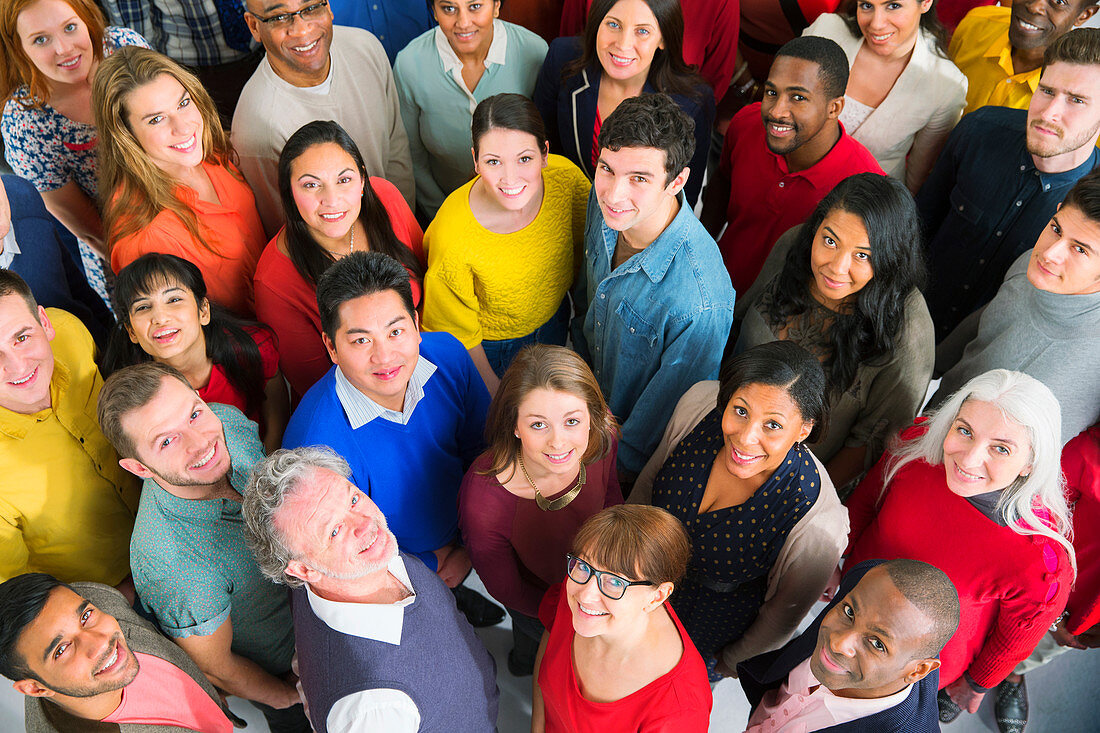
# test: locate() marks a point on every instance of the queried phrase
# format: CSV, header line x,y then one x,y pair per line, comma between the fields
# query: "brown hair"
x,y
555,368
16,69
637,542
1080,46
12,284
127,390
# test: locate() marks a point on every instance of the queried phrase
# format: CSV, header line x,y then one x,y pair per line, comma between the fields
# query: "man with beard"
x,y
381,645
1001,177
192,567
869,661
1001,49
80,653
782,155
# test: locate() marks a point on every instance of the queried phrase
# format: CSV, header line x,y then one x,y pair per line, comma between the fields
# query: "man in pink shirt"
x,y
867,664
80,653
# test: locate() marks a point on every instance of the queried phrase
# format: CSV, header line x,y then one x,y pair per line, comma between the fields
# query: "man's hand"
x,y
453,564
1090,638
1064,638
964,696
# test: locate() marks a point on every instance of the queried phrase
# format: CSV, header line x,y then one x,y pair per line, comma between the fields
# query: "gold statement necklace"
x,y
552,505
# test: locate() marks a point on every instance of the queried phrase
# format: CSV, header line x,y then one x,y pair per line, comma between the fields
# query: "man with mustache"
x,y
80,653
782,155
192,567
869,661
1001,49
1001,176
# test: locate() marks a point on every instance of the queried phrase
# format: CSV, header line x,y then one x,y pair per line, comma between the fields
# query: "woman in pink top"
x,y
332,209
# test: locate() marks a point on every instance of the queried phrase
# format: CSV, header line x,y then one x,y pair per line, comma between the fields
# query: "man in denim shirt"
x,y
654,301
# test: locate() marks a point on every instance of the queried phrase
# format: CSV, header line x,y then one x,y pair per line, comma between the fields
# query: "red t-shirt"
x,y
220,389
766,199
676,702
163,694
1081,465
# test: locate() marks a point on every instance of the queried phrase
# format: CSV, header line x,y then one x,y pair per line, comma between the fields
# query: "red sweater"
x,y
1011,586
1081,465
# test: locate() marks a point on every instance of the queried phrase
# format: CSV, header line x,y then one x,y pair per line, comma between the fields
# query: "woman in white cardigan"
x,y
904,95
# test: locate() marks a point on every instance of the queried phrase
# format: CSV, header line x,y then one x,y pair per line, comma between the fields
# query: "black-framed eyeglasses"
x,y
611,585
308,14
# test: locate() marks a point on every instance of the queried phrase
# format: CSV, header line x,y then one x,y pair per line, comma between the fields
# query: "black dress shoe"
x,y
520,667
477,609
1010,708
948,709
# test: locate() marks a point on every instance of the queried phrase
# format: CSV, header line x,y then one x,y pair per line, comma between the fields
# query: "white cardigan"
x,y
919,112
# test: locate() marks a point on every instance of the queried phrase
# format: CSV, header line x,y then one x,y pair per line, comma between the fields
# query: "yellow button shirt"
x,y
980,48
66,507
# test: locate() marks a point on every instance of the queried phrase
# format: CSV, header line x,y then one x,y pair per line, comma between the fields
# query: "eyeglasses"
x,y
611,585
308,14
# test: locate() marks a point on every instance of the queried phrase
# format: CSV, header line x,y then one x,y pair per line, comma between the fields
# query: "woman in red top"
x,y
167,178
615,657
976,491
332,209
164,315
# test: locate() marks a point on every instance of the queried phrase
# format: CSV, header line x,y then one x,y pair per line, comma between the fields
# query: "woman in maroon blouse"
x,y
549,467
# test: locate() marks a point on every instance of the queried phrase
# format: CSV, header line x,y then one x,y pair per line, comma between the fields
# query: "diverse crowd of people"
x,y
668,318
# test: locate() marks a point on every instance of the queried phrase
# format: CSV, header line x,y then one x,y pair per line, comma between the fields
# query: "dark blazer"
x,y
568,107
918,713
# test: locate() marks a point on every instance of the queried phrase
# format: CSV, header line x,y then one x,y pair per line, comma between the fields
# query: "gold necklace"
x,y
351,244
552,505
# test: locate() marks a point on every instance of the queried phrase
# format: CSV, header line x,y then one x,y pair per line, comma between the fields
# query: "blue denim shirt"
x,y
654,326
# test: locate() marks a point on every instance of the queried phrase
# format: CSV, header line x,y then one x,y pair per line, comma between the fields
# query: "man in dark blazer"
x,y
868,663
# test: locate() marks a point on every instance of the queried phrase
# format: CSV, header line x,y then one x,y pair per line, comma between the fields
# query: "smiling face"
x,y
166,322
56,41
328,191
1036,24
759,425
335,530
984,451
627,40
553,429
594,614
510,164
869,643
631,187
377,346
467,24
75,649
1066,259
840,259
26,359
166,124
1063,118
178,441
795,107
299,51
890,27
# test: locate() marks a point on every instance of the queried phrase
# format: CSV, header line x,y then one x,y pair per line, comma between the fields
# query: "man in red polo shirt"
x,y
781,156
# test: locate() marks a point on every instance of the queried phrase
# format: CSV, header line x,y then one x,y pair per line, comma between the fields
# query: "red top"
x,y
163,694
220,389
951,12
1011,586
766,25
710,36
287,302
231,230
766,200
518,549
676,702
1081,465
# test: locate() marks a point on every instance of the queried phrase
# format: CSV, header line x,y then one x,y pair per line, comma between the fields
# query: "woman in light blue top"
x,y
441,77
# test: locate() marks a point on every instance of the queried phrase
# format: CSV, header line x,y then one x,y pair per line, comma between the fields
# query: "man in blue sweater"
x,y
407,411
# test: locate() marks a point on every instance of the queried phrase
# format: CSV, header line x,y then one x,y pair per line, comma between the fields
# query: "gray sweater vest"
x,y
440,663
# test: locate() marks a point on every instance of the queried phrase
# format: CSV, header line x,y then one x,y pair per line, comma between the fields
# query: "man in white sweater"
x,y
315,71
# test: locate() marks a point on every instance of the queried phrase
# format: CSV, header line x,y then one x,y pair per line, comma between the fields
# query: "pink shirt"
x,y
803,704
163,694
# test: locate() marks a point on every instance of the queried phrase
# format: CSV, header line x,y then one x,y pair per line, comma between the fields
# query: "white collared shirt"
x,y
361,409
11,249
498,51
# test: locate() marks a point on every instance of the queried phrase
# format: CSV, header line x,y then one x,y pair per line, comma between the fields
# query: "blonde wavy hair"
x,y
132,188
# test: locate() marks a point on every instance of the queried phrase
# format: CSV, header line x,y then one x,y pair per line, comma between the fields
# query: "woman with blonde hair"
x,y
550,465
169,180
976,490
49,52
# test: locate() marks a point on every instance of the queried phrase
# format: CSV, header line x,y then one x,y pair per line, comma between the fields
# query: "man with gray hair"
x,y
371,623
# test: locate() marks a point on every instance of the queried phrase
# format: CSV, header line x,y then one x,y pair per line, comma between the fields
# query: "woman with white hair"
x,y
976,490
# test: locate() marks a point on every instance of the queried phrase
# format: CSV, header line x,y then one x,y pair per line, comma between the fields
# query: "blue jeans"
x,y
554,332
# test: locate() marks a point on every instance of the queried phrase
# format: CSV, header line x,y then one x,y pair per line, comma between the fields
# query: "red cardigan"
x,y
1081,465
1011,586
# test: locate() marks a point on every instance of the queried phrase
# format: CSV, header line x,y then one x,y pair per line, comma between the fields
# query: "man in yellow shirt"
x,y
66,506
1001,49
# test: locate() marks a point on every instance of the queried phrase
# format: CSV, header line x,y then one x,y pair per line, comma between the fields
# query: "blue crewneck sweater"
x,y
411,471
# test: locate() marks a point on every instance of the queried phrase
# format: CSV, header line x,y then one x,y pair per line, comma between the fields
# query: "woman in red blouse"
x,y
332,209
615,657
977,491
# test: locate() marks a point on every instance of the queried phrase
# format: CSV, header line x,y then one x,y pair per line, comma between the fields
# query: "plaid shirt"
x,y
187,31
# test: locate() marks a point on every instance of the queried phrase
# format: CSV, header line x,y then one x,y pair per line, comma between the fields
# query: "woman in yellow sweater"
x,y
503,249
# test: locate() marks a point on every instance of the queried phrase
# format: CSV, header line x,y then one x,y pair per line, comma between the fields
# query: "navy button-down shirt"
x,y
394,22
984,204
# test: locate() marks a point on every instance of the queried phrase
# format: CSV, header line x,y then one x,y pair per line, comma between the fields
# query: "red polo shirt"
x,y
766,199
